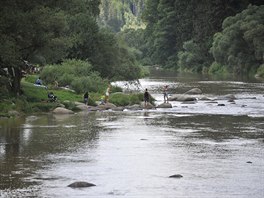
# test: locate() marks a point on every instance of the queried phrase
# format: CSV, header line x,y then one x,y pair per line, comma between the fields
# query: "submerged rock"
x,y
227,97
134,107
148,106
81,184
176,176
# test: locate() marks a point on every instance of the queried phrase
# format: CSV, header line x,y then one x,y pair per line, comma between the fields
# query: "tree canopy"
x,y
47,32
240,46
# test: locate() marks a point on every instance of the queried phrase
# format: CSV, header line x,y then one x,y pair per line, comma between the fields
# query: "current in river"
x,y
218,150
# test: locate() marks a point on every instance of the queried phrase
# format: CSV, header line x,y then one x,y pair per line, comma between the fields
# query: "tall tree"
x,y
27,29
239,47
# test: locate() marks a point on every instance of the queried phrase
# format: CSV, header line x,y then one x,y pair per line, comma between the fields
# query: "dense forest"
x,y
79,41
48,33
222,36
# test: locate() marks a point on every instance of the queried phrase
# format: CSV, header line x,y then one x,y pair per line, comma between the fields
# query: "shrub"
x,y
121,99
260,71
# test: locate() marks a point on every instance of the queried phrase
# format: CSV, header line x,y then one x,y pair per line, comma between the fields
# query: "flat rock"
x,y
176,176
82,107
165,105
182,97
81,184
61,110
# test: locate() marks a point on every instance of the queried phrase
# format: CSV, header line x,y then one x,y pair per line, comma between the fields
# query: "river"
x,y
218,150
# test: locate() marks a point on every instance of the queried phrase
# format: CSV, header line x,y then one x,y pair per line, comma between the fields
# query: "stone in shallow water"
x,y
176,176
81,184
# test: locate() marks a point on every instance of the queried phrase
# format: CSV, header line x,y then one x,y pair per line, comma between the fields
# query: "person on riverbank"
x,y
107,93
52,97
38,81
86,98
165,93
146,97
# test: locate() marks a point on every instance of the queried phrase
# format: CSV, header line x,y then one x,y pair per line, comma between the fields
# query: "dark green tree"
x,y
27,30
239,47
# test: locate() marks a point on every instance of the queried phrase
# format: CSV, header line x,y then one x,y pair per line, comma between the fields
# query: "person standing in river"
x,y
165,93
107,93
146,97
86,98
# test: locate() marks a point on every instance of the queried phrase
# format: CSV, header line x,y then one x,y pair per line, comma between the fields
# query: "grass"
x,y
35,98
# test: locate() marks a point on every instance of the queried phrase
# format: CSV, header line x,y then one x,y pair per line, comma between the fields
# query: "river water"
x,y
218,150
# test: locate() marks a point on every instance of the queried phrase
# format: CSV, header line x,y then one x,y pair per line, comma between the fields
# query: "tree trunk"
x,y
16,76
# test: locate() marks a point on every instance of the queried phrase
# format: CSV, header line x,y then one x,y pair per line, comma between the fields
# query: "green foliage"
x,y
260,71
31,78
190,59
217,68
172,23
42,107
121,99
74,73
34,93
240,46
119,15
6,105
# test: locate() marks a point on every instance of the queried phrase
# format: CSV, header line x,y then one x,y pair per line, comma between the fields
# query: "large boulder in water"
x,y
81,184
182,97
82,107
227,97
60,110
107,106
148,106
165,105
134,107
194,91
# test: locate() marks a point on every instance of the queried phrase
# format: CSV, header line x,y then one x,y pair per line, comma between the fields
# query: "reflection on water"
x,y
132,154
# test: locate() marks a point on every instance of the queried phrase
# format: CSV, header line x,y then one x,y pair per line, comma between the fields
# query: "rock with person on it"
x,y
107,106
194,91
147,106
134,107
82,107
164,105
61,110
81,184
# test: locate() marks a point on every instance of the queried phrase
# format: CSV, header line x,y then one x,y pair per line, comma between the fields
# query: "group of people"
x,y
104,99
147,95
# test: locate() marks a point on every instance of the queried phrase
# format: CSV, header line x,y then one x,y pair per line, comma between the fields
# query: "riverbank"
x,y
35,100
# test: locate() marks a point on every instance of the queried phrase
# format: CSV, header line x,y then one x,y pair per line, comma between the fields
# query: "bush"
x,y
260,71
43,107
121,99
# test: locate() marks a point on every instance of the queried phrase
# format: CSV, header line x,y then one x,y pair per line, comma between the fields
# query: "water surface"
x,y
218,150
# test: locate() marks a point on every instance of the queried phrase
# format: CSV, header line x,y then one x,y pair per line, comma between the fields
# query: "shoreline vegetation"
x,y
35,99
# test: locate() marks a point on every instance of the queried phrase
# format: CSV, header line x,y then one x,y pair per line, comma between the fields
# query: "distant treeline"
x,y
220,36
